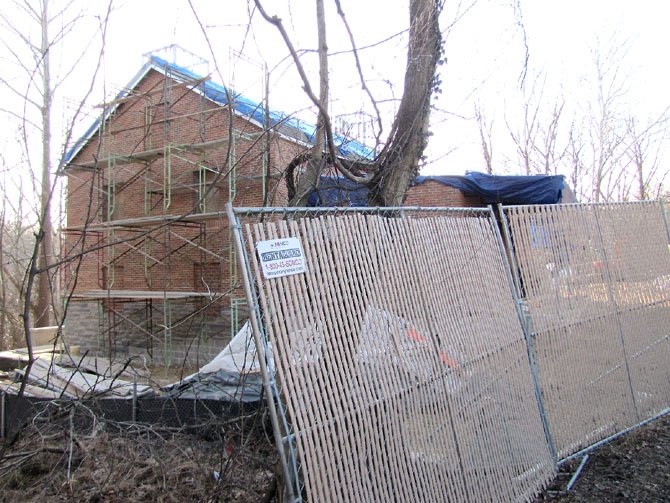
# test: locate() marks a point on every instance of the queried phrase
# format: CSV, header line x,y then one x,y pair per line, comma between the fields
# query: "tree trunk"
x,y
43,318
399,160
309,179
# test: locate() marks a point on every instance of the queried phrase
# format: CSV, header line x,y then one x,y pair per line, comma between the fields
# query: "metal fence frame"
x,y
150,410
284,436
598,212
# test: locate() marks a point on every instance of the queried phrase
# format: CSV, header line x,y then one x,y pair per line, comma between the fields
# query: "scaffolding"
x,y
166,236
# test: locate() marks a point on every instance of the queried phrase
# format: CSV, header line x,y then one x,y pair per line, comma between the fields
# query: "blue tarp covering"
x,y
292,126
492,189
338,191
216,92
535,189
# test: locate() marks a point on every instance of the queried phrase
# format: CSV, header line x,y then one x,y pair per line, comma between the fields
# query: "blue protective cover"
x,y
534,189
338,191
298,129
492,189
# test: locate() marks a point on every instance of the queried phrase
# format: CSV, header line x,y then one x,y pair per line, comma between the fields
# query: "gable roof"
x,y
290,127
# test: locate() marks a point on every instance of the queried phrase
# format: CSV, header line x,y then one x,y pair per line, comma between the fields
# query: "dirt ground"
x,y
67,455
634,468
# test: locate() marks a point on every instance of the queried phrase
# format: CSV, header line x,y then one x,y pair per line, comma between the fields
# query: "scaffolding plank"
x,y
145,155
141,294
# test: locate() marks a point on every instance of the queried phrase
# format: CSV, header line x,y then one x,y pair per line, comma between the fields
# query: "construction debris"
x,y
56,373
232,376
78,383
18,358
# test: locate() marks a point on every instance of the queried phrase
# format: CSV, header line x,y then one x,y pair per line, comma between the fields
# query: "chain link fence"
x,y
404,359
596,284
394,355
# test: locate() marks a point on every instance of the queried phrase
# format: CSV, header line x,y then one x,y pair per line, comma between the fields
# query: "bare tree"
x,y
310,178
549,152
525,135
577,171
537,139
398,161
605,122
45,234
31,46
38,75
15,250
607,152
485,136
644,151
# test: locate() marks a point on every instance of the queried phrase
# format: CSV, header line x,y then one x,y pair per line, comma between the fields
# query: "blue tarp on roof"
x,y
492,189
216,92
291,126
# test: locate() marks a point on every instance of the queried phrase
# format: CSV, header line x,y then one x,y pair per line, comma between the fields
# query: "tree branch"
x,y
364,86
277,23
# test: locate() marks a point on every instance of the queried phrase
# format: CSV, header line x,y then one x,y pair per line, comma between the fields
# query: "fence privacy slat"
x,y
596,281
398,357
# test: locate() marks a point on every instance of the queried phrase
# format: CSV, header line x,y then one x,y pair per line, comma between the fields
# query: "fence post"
x,y
665,219
526,321
509,256
134,403
2,414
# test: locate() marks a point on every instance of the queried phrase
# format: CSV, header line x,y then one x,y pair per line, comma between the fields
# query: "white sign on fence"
x,y
281,257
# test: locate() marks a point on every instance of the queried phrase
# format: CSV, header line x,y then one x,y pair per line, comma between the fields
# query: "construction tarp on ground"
x,y
232,376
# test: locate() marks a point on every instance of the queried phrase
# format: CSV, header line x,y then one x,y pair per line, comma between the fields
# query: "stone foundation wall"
x,y
198,331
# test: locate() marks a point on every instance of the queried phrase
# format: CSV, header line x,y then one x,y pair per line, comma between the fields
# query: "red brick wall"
x,y
158,259
162,259
432,194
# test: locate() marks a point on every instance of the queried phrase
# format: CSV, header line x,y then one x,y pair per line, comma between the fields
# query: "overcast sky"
x,y
485,51
484,48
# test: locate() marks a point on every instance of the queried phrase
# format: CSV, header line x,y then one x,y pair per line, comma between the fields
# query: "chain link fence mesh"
x,y
596,283
397,359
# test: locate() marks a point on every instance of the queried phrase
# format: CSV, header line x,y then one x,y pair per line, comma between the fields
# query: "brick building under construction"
x,y
153,270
